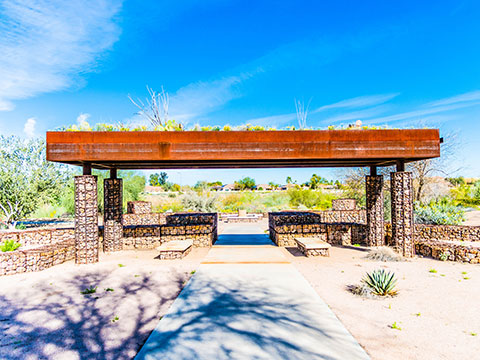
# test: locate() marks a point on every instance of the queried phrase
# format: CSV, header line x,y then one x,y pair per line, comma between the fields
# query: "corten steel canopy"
x,y
242,149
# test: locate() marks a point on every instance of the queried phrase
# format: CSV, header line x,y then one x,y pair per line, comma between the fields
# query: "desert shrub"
x,y
310,199
381,282
439,213
201,203
383,254
9,245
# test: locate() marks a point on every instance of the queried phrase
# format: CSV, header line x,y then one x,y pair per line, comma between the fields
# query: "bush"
x,y
383,254
9,245
195,202
439,213
310,199
381,282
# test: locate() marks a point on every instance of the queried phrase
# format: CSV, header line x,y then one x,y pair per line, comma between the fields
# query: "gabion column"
x,y
112,219
402,213
375,219
86,219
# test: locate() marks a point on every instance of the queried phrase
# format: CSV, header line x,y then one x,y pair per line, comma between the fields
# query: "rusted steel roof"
x,y
242,149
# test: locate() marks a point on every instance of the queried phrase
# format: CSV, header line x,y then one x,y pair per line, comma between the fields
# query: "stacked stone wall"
x,y
344,204
86,219
37,259
113,226
375,213
144,219
401,188
139,207
449,251
37,237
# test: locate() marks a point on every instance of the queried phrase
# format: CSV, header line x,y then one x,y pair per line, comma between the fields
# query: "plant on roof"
x,y
381,282
10,245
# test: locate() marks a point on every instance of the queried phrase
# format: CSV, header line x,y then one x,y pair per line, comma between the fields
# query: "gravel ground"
x,y
436,311
43,315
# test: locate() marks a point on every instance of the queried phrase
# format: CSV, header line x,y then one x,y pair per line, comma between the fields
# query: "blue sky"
x,y
402,64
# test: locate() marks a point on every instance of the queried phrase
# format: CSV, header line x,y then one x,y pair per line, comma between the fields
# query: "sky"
x,y
399,64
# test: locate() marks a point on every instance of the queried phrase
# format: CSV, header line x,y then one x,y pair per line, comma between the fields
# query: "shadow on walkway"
x,y
243,239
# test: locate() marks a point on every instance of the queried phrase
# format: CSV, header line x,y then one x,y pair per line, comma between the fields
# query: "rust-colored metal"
x,y
242,149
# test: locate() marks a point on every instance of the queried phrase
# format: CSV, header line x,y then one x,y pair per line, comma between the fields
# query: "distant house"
x,y
217,188
228,187
264,187
287,187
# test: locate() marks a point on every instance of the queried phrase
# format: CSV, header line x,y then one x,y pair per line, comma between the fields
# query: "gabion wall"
x,y
375,213
402,212
113,211
86,219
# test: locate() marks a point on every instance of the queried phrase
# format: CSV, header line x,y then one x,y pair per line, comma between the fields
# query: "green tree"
x,y
158,179
27,179
289,180
316,181
247,183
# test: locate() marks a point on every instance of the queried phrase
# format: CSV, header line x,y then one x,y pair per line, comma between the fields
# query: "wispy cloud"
x,y
441,106
357,102
472,96
45,45
29,127
198,99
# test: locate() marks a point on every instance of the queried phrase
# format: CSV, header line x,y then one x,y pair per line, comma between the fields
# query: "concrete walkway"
x,y
248,302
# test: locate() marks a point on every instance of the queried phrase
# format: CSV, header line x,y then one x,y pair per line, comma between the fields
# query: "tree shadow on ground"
x,y
242,319
56,321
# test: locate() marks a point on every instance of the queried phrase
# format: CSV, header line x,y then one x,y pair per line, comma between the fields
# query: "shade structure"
x,y
242,149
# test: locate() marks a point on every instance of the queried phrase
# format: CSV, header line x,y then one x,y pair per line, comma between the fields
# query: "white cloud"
x,y
82,118
198,99
462,98
29,127
358,102
353,103
46,44
422,112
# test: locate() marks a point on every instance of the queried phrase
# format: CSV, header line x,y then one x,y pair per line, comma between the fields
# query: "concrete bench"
x,y
311,246
175,249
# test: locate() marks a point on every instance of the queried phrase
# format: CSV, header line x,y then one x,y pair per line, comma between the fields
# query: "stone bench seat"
x,y
176,249
312,246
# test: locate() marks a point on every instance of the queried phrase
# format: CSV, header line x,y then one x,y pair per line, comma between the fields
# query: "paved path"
x,y
247,302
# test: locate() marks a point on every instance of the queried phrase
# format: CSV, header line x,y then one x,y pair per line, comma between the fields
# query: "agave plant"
x,y
9,245
381,282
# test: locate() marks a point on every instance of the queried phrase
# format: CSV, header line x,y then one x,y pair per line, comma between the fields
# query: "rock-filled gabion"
x,y
449,250
144,219
139,207
113,211
401,188
375,211
86,219
37,259
174,254
344,204
285,227
37,237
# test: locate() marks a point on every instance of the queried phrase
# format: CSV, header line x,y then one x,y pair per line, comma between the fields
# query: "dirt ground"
x,y
472,218
437,312
43,315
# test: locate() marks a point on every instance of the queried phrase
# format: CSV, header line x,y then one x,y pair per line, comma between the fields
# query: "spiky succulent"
x,y
381,282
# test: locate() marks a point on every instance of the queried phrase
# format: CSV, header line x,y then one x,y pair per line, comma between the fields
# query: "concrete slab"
x,y
255,311
262,254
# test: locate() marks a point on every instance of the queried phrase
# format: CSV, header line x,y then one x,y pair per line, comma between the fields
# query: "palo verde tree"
x,y
27,179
